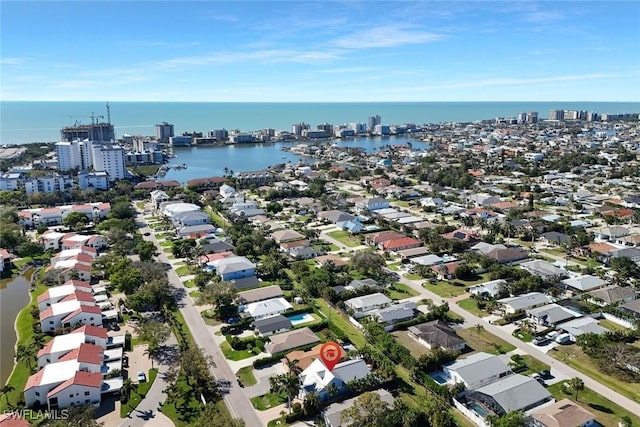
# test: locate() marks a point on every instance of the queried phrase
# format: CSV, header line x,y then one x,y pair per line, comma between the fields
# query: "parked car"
x,y
233,320
540,341
142,378
563,338
545,374
552,335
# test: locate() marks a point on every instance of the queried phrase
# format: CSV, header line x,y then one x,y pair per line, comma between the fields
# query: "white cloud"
x,y
162,44
13,61
386,36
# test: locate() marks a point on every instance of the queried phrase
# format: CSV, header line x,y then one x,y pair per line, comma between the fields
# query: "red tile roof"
x,y
83,309
79,296
34,380
87,379
94,331
78,283
86,353
13,419
400,243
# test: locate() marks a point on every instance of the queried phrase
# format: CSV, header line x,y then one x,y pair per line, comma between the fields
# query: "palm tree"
x,y
577,384
151,352
24,353
6,390
127,387
287,383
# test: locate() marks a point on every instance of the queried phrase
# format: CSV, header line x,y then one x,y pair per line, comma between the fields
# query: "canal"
x,y
14,296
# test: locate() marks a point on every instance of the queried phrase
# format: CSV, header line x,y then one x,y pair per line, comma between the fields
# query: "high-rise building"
x,y
109,158
297,128
164,131
522,118
93,132
556,115
327,128
532,117
374,121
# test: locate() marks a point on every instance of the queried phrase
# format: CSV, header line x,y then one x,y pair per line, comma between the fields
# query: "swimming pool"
x,y
297,319
479,409
439,378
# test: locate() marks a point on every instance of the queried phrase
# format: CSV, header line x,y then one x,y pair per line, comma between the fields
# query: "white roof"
x,y
68,253
61,290
366,300
175,208
67,342
58,372
270,306
67,263
65,307
78,238
52,235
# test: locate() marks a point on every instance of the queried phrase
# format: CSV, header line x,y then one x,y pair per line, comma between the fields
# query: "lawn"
x,y
216,219
471,305
413,276
395,266
195,294
140,205
166,244
612,326
354,335
412,345
522,335
445,289
146,170
268,401
400,291
345,238
187,408
21,372
484,341
183,270
573,356
189,284
607,413
246,376
234,355
137,396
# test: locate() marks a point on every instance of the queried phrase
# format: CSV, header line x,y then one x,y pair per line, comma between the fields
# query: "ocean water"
x,y
26,122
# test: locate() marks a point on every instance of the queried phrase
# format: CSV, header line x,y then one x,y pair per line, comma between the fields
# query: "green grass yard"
x,y
485,341
444,289
354,334
345,238
234,355
400,291
471,305
246,376
268,401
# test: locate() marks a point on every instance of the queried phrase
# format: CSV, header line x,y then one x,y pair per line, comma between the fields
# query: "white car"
x,y
142,378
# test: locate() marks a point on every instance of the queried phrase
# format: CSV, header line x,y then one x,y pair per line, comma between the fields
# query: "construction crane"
x,y
108,112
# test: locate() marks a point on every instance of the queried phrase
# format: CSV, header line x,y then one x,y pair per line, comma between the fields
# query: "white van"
x,y
552,335
563,338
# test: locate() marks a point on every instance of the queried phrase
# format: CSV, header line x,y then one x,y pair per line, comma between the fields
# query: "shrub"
x,y
297,407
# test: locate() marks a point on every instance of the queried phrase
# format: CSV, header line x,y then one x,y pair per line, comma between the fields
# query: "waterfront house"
x,y
69,313
60,385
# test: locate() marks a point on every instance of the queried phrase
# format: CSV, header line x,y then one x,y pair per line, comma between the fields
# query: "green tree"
x,y
154,332
367,410
75,221
78,416
5,390
127,280
311,404
286,383
212,416
146,250
577,385
510,419
369,263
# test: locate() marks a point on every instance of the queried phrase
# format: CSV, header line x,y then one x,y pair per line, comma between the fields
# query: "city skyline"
x,y
302,51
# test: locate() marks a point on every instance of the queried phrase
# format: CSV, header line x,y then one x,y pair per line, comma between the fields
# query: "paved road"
x,y
146,414
237,402
556,365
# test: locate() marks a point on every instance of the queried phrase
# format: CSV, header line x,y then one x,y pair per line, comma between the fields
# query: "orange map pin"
x,y
330,354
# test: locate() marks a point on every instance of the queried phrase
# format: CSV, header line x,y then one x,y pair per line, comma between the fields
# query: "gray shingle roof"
x,y
272,323
515,392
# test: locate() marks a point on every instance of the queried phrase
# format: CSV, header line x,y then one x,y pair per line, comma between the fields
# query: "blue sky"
x,y
320,51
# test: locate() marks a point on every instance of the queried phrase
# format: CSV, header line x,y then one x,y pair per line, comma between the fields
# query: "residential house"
x,y
332,414
372,204
335,216
584,283
521,303
69,313
446,271
187,219
563,413
427,260
63,344
291,340
489,289
303,359
272,325
63,384
437,334
287,235
5,260
374,239
508,255
361,306
395,313
158,197
611,233
510,393
543,269
400,244
632,308
234,268
261,309
260,294
581,325
551,314
555,238
317,378
612,294
303,252
476,370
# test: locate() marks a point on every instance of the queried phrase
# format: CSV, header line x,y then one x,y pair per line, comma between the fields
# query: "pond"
x,y
13,297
